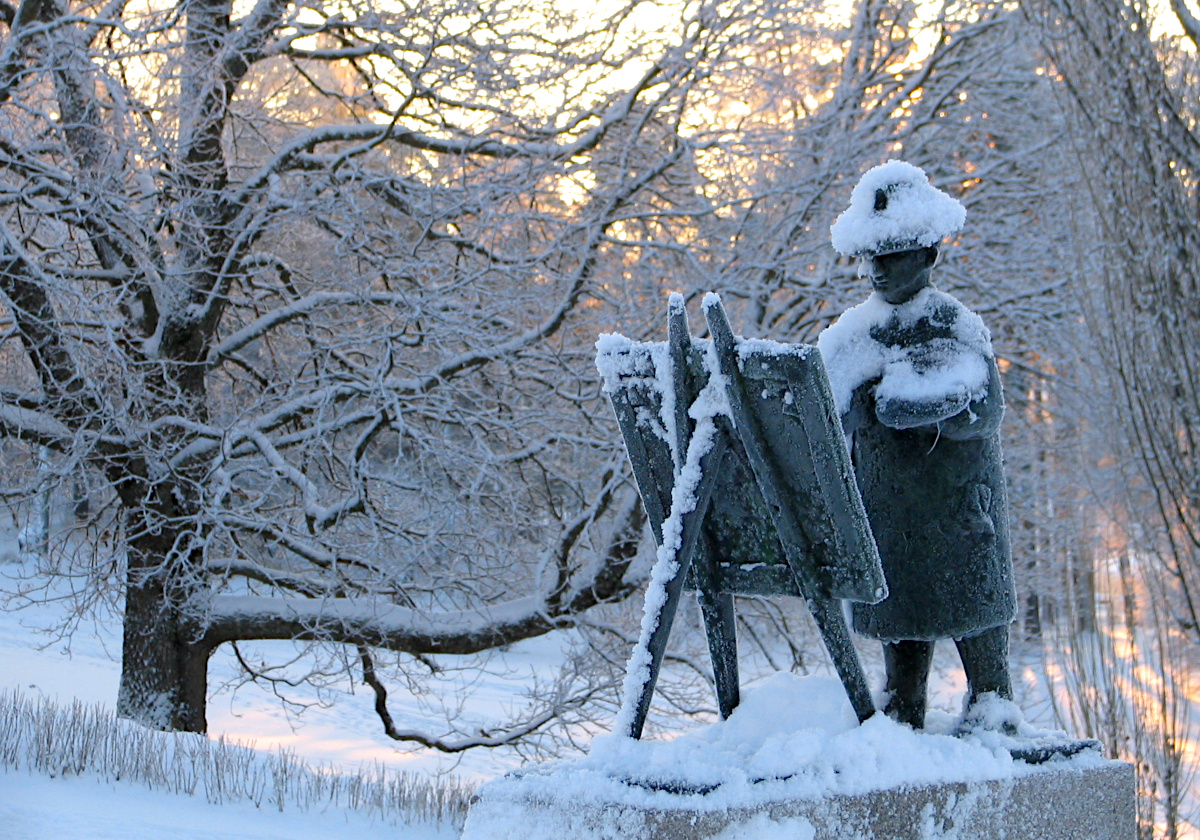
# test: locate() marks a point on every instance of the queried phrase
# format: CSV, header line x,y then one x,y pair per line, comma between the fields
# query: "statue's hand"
x,y
899,413
862,405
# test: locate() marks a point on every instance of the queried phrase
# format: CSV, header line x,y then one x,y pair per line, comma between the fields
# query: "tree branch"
x,y
38,325
413,631
289,312
484,739
12,54
1189,22
380,625
33,426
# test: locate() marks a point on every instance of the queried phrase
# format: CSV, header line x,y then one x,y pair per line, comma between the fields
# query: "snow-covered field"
x,y
36,807
344,736
340,727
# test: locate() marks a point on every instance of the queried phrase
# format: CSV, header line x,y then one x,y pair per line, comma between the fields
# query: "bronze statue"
x,y
914,377
746,478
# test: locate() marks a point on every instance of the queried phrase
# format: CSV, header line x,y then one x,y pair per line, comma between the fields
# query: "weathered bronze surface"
x,y
777,510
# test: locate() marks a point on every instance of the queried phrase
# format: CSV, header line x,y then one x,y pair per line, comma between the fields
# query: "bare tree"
x,y
313,287
1130,99
1139,152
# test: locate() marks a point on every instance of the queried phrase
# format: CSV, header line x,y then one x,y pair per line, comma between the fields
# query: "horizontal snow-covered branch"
x,y
354,621
265,323
401,628
33,426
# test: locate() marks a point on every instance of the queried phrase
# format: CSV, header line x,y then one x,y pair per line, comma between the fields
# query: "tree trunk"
x,y
164,663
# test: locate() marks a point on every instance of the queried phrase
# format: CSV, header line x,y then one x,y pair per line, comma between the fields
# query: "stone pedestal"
x,y
1068,803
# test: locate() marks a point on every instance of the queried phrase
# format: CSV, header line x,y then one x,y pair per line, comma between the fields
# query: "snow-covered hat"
x,y
895,208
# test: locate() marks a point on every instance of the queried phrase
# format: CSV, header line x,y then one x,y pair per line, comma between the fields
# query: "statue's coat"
x,y
935,497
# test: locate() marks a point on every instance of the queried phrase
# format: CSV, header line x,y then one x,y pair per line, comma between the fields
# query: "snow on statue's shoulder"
x,y
791,738
850,354
864,345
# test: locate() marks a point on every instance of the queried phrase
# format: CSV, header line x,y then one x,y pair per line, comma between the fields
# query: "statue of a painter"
x,y
915,380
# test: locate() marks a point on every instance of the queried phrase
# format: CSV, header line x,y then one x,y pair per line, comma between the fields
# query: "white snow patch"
x,y
765,347
938,369
34,807
762,827
917,214
623,363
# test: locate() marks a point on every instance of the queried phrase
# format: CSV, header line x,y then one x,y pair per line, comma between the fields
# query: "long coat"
x,y
935,498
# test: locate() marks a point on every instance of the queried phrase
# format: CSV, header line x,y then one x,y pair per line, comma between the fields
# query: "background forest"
x,y
298,303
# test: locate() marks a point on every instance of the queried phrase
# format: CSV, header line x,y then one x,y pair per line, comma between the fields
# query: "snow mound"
x,y
894,208
791,738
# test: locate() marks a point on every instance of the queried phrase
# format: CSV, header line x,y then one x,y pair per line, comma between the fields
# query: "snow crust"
x,y
709,404
748,347
762,827
941,369
791,738
623,363
917,214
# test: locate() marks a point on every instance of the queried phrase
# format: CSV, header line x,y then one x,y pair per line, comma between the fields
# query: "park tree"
x,y
1137,148
1126,73
306,292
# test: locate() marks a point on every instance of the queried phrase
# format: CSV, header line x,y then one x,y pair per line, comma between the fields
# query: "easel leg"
x,y
692,523
717,609
832,624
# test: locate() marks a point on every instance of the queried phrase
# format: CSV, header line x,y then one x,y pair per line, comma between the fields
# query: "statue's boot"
x,y
907,664
985,660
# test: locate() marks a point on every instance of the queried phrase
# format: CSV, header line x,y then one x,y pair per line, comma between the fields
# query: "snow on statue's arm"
x,y
945,380
957,412
981,418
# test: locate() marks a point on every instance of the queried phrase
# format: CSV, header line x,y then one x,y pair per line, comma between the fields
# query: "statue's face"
x,y
899,276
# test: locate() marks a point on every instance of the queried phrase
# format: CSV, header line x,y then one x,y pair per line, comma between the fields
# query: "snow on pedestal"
x,y
792,763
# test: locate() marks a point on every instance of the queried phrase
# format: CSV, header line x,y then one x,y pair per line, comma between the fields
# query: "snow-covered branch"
x,y
33,426
12,52
388,626
510,734
296,309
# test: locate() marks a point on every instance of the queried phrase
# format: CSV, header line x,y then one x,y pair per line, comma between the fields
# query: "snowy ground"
x,y
345,735
40,808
